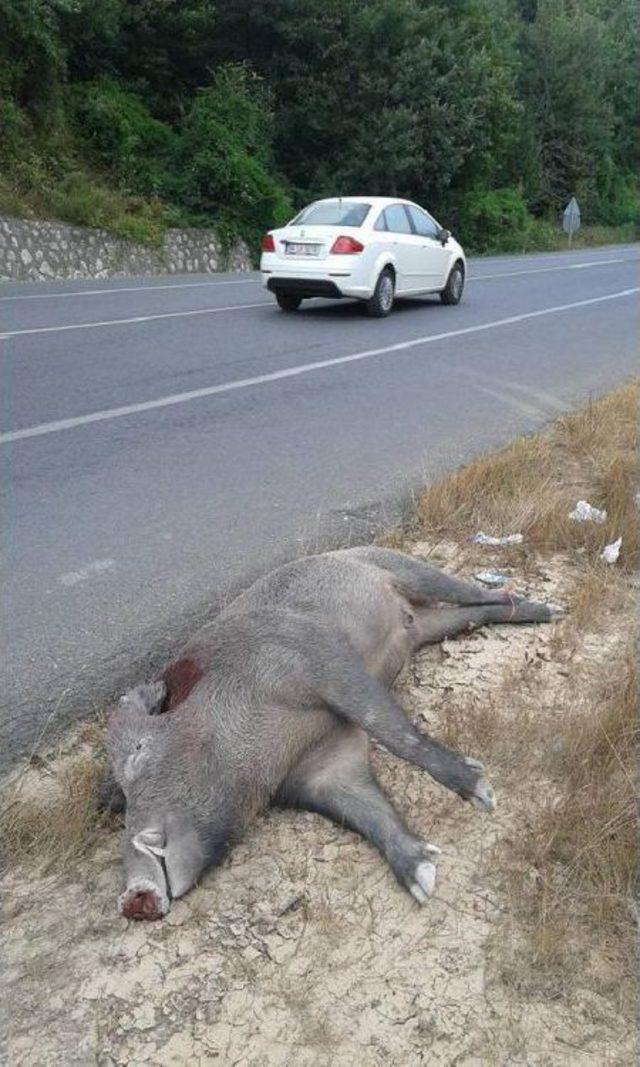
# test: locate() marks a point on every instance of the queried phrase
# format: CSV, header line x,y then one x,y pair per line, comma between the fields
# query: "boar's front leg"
x,y
354,696
335,779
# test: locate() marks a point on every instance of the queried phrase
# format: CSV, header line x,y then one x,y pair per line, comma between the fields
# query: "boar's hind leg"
x,y
335,779
422,584
435,624
425,586
355,697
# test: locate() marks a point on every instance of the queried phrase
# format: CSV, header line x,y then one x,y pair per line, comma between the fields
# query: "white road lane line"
x,y
293,372
99,566
546,270
600,262
136,319
130,289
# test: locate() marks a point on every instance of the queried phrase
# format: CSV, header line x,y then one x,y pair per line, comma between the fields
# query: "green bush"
x,y
120,134
497,221
619,202
223,165
31,163
13,131
493,220
81,200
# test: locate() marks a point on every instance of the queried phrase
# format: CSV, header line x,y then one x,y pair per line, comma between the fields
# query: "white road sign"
x,y
571,217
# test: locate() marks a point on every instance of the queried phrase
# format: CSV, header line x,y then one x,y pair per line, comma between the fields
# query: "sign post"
x,y
571,218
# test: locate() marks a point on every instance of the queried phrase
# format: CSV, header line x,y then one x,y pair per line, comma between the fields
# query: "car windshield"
x,y
333,213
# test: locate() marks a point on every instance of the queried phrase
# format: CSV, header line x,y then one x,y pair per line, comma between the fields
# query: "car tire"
x,y
379,305
452,292
288,301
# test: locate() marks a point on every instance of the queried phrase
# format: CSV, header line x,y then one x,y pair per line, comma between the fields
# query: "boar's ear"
x,y
130,743
147,698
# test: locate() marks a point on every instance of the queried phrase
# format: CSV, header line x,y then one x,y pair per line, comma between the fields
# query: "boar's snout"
x,y
148,892
163,861
142,900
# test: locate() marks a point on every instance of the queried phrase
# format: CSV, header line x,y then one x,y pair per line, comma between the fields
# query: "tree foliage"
x,y
223,162
121,135
485,110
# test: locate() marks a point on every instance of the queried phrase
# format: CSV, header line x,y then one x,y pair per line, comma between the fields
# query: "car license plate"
x,y
296,249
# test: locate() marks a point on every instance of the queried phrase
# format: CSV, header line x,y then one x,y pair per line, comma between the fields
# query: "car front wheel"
x,y
452,292
380,304
288,301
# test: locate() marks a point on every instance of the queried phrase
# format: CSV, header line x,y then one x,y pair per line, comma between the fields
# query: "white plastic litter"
x,y
585,512
611,552
492,578
487,539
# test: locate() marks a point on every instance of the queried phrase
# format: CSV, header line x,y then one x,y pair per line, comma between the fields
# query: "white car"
x,y
372,248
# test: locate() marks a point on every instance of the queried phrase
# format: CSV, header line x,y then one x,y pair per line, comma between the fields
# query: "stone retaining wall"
x,y
40,251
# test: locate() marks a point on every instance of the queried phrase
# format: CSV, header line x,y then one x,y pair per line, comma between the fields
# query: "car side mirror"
x,y
444,236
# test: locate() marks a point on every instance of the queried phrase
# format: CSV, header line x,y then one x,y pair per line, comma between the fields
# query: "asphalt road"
x,y
164,440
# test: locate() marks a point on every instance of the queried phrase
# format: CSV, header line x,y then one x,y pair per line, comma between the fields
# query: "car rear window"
x,y
333,213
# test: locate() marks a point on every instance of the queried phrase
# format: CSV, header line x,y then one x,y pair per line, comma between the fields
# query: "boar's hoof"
x,y
484,796
143,901
425,880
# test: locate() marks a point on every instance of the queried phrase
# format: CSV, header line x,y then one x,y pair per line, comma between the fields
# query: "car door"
x,y
399,235
432,257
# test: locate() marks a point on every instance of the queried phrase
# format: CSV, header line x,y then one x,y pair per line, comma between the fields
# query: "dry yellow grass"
x,y
599,591
588,835
574,865
531,486
49,813
569,870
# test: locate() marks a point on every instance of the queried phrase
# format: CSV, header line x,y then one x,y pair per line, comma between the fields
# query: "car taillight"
x,y
346,246
267,243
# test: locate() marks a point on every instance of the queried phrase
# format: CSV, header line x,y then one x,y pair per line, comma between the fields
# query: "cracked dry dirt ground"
x,y
302,949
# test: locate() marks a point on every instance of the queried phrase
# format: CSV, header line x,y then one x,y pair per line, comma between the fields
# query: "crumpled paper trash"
x,y
492,578
487,539
585,512
611,552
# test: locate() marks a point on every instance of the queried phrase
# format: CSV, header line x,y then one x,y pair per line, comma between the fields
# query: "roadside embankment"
x,y
301,947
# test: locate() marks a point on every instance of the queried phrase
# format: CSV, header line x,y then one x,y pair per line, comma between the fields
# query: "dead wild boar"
x,y
275,701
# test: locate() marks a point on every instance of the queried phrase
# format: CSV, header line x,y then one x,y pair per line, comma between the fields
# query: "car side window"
x,y
381,222
397,219
422,224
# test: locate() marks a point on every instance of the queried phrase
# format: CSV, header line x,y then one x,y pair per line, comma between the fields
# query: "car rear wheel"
x,y
452,292
380,304
288,301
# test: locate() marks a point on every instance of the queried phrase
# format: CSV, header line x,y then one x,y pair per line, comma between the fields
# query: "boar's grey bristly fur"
x,y
275,702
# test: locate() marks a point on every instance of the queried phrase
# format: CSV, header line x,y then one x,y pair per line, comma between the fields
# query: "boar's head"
x,y
175,822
